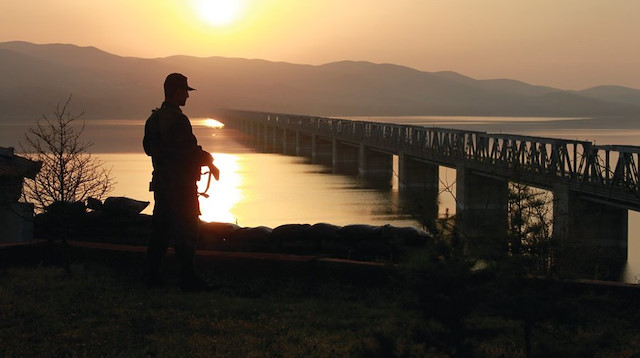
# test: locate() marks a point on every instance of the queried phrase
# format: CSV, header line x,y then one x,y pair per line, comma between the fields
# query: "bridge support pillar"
x,y
268,138
304,145
481,209
256,133
278,140
321,151
289,142
375,167
250,127
591,236
345,158
418,183
247,128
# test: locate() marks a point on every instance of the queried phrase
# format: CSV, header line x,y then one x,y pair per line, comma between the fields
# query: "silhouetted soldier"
x,y
177,160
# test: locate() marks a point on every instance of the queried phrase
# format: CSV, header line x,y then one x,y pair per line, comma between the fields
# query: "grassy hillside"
x,y
272,309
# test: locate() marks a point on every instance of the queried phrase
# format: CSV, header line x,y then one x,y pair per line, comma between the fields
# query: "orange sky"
x,y
570,44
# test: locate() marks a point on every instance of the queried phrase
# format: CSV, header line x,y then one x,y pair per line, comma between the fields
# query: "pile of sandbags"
x,y
365,242
117,220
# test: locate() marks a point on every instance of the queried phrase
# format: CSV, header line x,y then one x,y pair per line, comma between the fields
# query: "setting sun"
x,y
219,12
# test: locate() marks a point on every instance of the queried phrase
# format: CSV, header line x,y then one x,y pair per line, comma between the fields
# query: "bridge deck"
x,y
608,172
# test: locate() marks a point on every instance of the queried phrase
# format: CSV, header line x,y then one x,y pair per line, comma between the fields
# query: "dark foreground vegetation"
x,y
434,305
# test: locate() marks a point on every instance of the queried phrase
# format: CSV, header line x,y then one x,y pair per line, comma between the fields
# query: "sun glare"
x,y
219,12
225,194
212,123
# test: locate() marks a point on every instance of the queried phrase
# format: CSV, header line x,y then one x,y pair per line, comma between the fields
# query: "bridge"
x,y
593,186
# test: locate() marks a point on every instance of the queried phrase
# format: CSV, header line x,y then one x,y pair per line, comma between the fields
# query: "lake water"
x,y
258,189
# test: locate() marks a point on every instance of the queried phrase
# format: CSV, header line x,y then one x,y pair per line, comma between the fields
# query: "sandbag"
x,y
405,236
358,232
250,239
216,230
120,205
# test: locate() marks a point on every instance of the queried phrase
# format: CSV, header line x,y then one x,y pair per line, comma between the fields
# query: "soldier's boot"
x,y
190,278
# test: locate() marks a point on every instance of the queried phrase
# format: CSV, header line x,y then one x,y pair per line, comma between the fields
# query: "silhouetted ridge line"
x,y
44,74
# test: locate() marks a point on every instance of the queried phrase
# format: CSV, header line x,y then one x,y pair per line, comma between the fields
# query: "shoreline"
x,y
129,131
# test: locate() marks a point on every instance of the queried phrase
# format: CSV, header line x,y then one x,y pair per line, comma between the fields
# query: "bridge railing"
x,y
611,170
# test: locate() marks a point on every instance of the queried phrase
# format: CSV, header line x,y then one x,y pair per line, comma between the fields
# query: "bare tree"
x,y
69,172
530,225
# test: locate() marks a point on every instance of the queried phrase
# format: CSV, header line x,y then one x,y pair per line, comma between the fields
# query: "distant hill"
x,y
617,94
36,77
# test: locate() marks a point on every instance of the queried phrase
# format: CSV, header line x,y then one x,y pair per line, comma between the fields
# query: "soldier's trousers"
x,y
175,221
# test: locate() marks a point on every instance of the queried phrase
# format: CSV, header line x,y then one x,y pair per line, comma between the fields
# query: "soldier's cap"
x,y
177,81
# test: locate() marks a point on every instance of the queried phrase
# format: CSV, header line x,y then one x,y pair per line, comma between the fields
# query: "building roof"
x,y
12,165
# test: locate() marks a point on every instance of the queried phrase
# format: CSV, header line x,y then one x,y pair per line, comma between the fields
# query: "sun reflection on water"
x,y
208,122
223,194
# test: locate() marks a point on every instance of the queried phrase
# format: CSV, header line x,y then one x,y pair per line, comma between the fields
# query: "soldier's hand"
x,y
214,171
208,158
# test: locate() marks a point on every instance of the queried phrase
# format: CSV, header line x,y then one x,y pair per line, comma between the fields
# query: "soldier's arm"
x,y
185,145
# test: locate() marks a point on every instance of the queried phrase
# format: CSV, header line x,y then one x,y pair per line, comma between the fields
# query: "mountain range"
x,y
37,77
